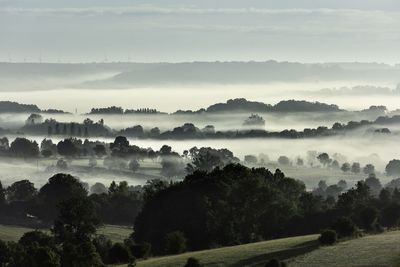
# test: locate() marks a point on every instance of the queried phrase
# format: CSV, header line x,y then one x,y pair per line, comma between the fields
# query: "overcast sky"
x,y
202,30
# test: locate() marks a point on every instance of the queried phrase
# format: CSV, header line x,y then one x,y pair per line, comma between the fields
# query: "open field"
x,y
243,255
372,250
114,232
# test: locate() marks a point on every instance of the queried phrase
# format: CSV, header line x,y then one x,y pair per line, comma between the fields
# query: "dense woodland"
x,y
225,206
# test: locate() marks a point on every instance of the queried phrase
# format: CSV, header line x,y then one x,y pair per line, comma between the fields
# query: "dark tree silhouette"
x,y
393,168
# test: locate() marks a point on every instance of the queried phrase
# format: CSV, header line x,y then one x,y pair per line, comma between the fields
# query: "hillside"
x,y
244,255
303,251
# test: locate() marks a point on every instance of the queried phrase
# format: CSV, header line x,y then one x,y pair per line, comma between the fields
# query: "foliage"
x,y
344,227
328,237
227,206
21,191
119,253
175,243
22,147
393,168
193,262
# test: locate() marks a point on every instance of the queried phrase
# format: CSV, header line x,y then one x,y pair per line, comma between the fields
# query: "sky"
x,y
202,30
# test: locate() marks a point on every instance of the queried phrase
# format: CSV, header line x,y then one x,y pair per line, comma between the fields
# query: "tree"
x,y
172,166
34,119
100,150
369,169
324,159
4,253
250,159
119,253
22,147
322,184
92,162
47,153
98,188
21,191
355,168
73,229
76,220
345,167
59,188
335,164
393,168
36,249
103,246
133,165
342,184
2,195
67,148
193,262
175,243
120,142
328,237
283,160
300,162
62,164
263,202
374,184
344,227
368,217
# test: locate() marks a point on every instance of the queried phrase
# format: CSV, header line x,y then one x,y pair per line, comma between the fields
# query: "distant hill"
x,y
14,107
40,76
11,107
244,105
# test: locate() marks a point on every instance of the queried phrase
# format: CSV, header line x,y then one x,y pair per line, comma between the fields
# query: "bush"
x,y
368,217
344,227
328,237
139,251
175,243
193,262
4,253
275,263
103,246
119,254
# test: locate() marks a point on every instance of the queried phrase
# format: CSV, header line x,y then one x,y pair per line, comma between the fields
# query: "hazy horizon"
x,y
182,31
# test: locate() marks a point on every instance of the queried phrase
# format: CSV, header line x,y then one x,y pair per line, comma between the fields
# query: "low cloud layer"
x,y
82,31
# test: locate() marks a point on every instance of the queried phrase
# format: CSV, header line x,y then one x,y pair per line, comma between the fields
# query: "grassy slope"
x,y
373,250
115,233
243,255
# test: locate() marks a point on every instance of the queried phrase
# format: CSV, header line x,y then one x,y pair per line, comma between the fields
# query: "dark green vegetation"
x,y
36,125
227,206
371,250
14,107
237,205
51,127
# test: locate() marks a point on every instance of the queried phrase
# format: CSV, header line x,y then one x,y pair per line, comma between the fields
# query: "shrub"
x,y
4,253
193,262
103,246
275,263
139,251
175,243
119,254
328,237
368,217
344,227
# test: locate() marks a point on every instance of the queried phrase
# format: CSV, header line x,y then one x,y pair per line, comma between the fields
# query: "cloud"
x,y
185,10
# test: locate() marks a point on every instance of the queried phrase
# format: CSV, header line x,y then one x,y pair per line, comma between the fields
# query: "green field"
x,y
373,250
302,251
254,254
113,232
